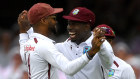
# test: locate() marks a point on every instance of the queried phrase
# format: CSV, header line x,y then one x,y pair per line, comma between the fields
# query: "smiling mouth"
x,y
72,34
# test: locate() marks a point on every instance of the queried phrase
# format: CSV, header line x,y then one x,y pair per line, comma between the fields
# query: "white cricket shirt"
x,y
39,51
93,70
120,70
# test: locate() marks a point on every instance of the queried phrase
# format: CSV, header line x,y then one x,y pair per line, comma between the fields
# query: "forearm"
x,y
74,66
106,55
106,60
23,37
59,61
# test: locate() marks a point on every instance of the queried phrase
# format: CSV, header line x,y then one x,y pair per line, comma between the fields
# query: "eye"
x,y
53,17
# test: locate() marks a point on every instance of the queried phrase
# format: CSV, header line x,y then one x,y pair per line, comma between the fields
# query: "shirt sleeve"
x,y
58,60
128,73
106,55
23,37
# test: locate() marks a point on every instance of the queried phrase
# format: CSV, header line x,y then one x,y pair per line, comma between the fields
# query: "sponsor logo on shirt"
x,y
111,72
28,48
86,49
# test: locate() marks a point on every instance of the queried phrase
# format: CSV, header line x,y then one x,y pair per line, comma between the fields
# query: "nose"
x,y
69,27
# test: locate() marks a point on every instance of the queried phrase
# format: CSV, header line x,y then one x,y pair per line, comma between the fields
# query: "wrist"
x,y
22,31
91,53
89,57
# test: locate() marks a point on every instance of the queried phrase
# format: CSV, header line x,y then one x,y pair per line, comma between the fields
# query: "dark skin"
x,y
108,38
97,41
23,22
81,30
46,27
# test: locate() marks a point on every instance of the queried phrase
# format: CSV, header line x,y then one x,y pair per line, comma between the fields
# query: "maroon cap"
x,y
81,14
108,30
40,10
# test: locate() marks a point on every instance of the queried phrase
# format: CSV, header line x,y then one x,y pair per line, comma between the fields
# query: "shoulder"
x,y
66,42
122,64
122,70
59,44
127,71
44,45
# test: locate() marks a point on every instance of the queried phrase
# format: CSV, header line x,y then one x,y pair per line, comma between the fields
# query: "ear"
x,y
88,26
43,21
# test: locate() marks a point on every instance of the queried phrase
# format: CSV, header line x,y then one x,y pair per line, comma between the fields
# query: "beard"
x,y
53,32
52,28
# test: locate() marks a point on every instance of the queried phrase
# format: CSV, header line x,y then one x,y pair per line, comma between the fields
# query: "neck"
x,y
85,37
42,30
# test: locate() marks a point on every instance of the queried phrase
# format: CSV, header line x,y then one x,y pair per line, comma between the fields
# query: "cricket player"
x,y
39,53
120,69
80,23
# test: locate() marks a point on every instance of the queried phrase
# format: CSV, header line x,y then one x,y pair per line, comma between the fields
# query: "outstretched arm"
x,y
106,52
24,26
106,55
57,59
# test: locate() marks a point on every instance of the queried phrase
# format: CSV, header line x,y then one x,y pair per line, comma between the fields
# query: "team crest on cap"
x,y
111,72
86,49
75,12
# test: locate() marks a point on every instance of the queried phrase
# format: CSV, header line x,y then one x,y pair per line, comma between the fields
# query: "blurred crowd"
x,y
122,15
11,66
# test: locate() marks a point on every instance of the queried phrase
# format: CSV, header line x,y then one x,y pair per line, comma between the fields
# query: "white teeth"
x,y
71,32
72,36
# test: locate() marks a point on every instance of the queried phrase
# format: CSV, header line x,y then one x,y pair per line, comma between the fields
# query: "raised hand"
x,y
23,22
97,42
98,32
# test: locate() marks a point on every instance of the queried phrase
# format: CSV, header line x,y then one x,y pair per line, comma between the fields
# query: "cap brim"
x,y
72,18
57,10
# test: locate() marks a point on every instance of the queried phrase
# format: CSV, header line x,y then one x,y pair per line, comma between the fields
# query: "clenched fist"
x,y
23,22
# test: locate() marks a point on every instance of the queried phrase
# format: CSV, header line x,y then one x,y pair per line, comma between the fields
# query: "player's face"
x,y
52,23
78,31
